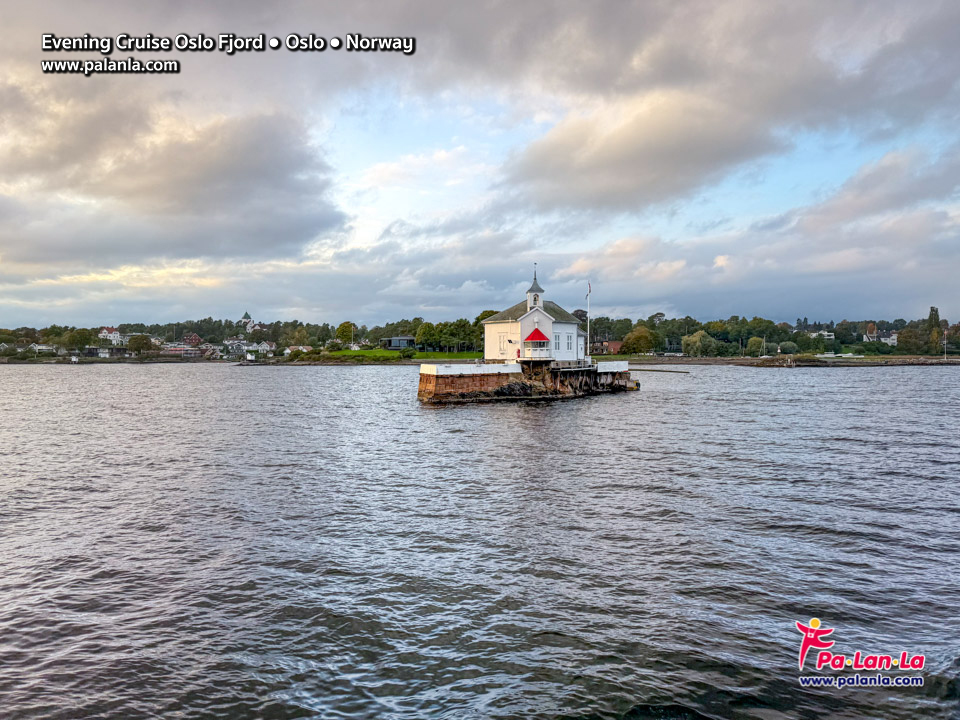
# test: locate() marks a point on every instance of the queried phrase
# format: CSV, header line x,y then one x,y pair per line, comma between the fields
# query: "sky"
x,y
779,159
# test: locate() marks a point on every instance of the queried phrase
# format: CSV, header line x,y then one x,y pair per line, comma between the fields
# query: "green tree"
x,y
953,334
427,335
699,344
846,332
755,346
52,333
323,332
621,327
346,331
874,348
639,340
78,338
140,344
761,327
299,336
911,341
788,348
483,316
718,329
725,349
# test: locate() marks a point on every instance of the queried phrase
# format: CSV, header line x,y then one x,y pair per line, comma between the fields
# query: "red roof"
x,y
537,336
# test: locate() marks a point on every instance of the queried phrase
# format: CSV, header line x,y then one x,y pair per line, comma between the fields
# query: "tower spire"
x,y
535,291
535,287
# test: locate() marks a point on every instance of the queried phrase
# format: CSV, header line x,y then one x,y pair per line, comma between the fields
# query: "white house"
x,y
111,334
887,338
237,347
535,329
822,333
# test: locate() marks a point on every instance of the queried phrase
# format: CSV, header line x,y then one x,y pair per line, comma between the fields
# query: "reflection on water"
x,y
211,541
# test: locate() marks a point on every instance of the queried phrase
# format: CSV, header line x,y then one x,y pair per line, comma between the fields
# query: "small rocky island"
x,y
534,349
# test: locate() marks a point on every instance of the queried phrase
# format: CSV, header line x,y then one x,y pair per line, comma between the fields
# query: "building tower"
x,y
534,293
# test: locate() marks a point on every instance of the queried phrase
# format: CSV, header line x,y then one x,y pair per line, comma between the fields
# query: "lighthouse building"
x,y
534,329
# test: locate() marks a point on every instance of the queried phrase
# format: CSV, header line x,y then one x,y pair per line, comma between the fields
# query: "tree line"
x,y
731,337
759,336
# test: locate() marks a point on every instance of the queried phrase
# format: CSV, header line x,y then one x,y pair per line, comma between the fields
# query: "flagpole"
x,y
586,353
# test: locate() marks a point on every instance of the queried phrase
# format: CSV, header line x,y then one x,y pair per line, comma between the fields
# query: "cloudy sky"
x,y
782,159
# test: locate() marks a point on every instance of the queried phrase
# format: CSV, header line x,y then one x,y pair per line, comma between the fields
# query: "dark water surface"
x,y
212,541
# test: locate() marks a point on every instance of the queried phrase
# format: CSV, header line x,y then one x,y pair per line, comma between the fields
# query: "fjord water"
x,y
212,541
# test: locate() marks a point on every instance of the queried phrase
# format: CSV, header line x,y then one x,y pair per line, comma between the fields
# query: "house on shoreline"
x,y
534,349
398,342
534,329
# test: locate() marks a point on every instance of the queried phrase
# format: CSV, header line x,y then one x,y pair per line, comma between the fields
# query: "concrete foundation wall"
x,y
537,382
438,388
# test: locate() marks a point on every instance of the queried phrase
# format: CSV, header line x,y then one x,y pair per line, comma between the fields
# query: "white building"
x,y
534,329
111,334
887,338
822,333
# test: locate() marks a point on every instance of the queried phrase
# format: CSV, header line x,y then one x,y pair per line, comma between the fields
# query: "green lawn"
x,y
448,356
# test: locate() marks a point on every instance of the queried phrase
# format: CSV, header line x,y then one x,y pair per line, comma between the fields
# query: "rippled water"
x,y
211,541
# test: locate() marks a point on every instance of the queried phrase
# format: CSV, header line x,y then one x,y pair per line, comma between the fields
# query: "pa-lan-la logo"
x,y
814,636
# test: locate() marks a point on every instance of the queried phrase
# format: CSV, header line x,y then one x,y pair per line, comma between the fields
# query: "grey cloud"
x,y
243,186
264,160
897,181
656,150
761,73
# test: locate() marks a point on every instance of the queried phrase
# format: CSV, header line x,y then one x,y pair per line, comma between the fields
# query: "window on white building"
x,y
503,343
556,341
569,342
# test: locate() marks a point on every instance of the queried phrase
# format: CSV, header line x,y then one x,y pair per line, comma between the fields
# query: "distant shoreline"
x,y
781,361
802,361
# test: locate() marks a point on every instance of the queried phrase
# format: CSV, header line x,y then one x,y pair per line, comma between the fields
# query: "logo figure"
x,y
813,636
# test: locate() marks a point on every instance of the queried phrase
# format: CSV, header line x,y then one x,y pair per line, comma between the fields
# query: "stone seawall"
x,y
447,388
480,383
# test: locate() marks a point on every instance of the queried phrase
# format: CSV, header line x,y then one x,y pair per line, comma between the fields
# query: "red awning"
x,y
537,336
